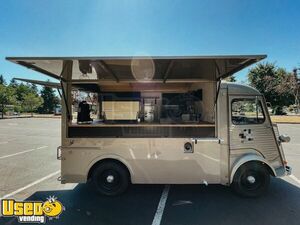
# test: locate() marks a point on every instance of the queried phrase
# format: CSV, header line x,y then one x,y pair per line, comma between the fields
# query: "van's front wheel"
x,y
110,178
251,180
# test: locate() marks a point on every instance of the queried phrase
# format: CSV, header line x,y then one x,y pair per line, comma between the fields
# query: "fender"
x,y
109,156
248,158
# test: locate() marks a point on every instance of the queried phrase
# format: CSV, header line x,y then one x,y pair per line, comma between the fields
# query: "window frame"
x,y
243,99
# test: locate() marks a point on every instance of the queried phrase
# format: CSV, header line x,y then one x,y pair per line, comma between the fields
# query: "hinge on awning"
x,y
63,94
219,82
218,91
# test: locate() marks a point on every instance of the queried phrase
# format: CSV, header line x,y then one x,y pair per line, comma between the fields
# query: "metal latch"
x,y
194,140
58,153
215,140
61,179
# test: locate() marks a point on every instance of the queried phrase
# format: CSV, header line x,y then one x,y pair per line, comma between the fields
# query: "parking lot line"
x,y
29,185
161,206
18,153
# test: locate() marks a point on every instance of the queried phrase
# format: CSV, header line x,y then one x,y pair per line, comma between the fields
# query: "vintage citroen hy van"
x,y
162,120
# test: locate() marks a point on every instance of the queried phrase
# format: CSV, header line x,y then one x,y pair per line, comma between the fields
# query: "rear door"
x,y
251,129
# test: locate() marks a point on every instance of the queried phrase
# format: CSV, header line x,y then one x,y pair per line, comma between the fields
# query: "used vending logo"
x,y
32,211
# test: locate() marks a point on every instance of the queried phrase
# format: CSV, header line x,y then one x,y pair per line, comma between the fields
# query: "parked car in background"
x,y
57,110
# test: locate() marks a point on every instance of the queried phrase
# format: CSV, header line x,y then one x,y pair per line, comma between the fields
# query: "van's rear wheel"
x,y
110,178
251,180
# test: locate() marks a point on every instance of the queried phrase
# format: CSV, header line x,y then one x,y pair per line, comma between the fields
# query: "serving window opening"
x,y
84,107
173,96
156,110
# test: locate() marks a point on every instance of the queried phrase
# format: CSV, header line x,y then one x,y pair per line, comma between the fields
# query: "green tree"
x,y
7,97
34,88
230,79
2,80
50,100
31,102
271,82
294,83
22,90
13,83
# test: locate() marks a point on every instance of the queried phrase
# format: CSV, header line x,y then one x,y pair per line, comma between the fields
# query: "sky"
x,y
154,27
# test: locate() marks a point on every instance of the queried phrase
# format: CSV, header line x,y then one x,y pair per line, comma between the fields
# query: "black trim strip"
x,y
140,132
65,100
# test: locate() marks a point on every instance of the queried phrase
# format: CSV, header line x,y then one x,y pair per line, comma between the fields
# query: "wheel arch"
x,y
111,158
251,158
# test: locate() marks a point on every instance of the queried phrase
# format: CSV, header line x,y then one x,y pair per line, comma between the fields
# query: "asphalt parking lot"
x,y
28,170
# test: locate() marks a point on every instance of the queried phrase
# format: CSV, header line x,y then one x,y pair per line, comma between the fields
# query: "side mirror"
x,y
284,138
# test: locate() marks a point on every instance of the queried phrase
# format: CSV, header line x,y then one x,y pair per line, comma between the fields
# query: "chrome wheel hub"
x,y
251,179
110,178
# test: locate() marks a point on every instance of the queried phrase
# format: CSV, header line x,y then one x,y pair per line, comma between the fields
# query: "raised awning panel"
x,y
141,69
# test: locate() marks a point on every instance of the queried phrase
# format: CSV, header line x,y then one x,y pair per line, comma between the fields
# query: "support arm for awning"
x,y
39,82
218,91
108,70
168,71
65,99
58,86
218,82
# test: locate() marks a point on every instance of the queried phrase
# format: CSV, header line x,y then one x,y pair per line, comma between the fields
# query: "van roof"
x,y
239,89
141,68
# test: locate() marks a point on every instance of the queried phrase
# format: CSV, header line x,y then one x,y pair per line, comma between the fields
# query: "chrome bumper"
x,y
283,171
288,170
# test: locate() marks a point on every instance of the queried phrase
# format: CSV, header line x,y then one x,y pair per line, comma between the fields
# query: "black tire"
x,y
110,178
244,184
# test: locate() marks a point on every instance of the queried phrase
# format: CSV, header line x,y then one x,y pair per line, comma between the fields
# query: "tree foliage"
x,y
50,100
25,97
230,79
294,84
7,97
2,80
271,81
22,90
13,83
31,102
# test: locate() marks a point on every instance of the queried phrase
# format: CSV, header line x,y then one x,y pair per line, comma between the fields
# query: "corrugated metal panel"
x,y
276,131
263,140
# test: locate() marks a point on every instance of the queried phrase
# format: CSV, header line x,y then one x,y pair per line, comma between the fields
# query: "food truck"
x,y
162,120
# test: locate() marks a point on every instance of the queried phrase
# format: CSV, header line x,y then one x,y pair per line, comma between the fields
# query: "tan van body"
x,y
221,142
164,161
